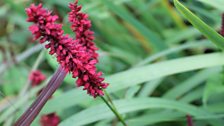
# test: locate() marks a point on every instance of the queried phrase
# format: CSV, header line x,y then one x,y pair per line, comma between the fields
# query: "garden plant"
x,y
111,63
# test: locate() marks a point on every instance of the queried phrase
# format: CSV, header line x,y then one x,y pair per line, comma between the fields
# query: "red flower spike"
x,y
50,120
77,56
36,77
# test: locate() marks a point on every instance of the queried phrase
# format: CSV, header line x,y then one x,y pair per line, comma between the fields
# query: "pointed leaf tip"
x,y
206,30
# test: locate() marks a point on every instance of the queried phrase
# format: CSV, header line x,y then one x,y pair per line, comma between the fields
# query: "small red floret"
x,y
36,77
51,119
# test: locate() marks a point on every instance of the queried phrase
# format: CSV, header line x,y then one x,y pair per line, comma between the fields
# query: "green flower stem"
x,y
110,100
114,110
112,105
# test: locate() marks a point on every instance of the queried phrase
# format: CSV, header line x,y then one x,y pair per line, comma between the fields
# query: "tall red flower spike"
x,y
36,77
77,56
51,119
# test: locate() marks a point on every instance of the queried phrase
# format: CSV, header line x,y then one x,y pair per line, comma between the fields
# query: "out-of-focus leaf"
x,y
162,69
3,10
151,36
190,83
125,106
148,119
11,87
213,87
215,3
138,75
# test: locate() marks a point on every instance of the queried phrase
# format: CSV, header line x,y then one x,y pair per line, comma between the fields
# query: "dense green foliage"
x,y
159,66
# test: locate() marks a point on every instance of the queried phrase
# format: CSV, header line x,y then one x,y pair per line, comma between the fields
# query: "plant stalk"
x,y
30,114
114,110
110,100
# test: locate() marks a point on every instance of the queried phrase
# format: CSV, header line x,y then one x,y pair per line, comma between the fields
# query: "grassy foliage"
x,y
159,66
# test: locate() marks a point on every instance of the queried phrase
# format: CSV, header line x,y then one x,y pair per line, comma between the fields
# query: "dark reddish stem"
x,y
30,114
222,27
189,120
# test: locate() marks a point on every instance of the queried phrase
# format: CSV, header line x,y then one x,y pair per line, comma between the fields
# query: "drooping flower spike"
x,y
36,77
77,56
51,119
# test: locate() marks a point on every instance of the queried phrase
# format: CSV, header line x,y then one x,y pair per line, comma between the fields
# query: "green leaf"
x,y
206,30
192,82
162,69
149,87
213,87
150,118
190,45
137,76
125,106
215,3
10,87
3,10
151,36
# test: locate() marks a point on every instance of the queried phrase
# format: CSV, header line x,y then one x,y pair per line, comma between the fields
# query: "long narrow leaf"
x,y
206,30
138,75
124,106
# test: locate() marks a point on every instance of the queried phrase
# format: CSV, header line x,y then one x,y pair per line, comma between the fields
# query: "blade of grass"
x,y
151,36
176,18
173,50
189,84
206,30
138,76
215,3
100,112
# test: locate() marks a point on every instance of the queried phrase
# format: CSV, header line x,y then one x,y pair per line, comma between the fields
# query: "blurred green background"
x,y
160,68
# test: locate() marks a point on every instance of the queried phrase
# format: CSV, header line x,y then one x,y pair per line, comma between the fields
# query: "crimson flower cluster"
x,y
51,119
36,77
77,56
